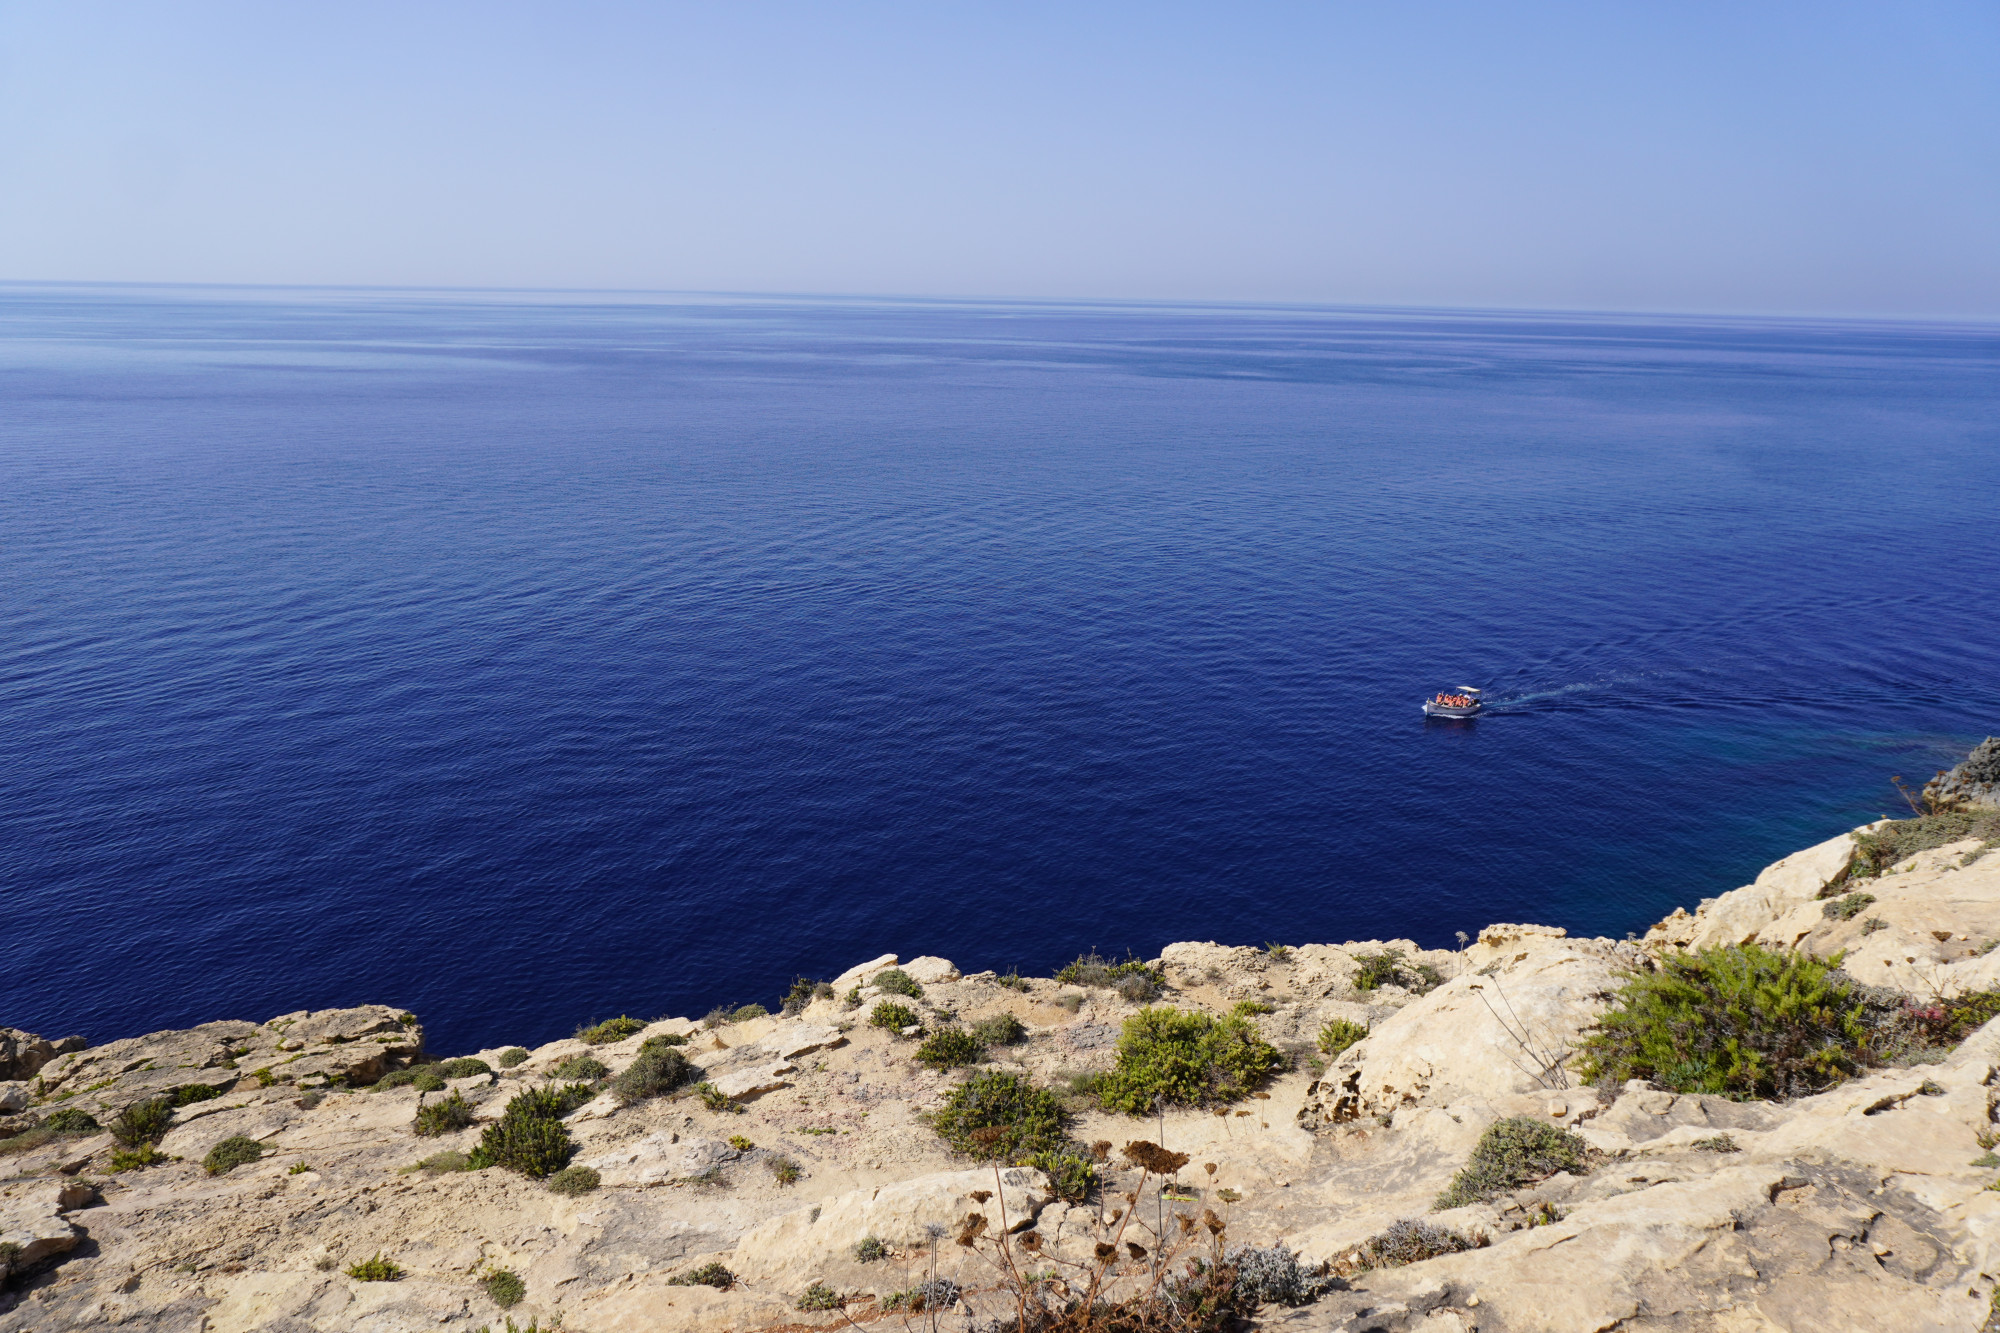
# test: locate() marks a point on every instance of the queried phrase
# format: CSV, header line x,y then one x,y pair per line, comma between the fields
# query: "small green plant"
x,y
610,1030
656,1071
465,1066
1846,907
1719,1143
819,1296
446,1116
1390,967
949,1048
895,1017
1337,1035
69,1120
1512,1153
234,1151
1185,1058
574,1180
869,1249
298,1168
1904,838
998,1115
504,1287
851,1000
896,981
1011,981
660,1041
581,1069
143,1122
741,1144
784,1170
530,1137
938,1293
189,1093
374,1269
999,1030
146,1154
803,992
1873,924
1410,1242
424,1078
444,1163
747,1012
1740,1021
1070,1000
1072,1175
265,1078
715,1099
1278,953
710,1274
1251,1009
512,1056
1132,979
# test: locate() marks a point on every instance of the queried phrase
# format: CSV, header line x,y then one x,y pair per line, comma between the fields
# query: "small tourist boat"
x,y
1461,702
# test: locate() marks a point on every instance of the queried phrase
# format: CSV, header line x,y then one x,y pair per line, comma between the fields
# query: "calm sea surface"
x,y
525,661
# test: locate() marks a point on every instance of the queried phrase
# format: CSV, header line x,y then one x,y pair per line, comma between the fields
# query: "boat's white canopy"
x,y
1468,689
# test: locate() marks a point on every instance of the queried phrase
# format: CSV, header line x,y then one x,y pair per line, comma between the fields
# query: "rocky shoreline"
x,y
794,1158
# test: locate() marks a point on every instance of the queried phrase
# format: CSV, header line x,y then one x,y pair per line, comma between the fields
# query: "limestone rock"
x,y
660,1158
13,1097
1738,916
1973,782
931,971
854,976
33,1228
896,1214
792,1040
22,1054
743,1084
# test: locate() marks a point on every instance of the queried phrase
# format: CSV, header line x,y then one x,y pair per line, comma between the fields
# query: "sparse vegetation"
x,y
1133,979
869,1249
1252,1008
896,981
146,1154
1904,838
740,1143
234,1151
659,1069
530,1136
1000,1116
1011,981
895,1017
610,1030
1513,1153
1719,1143
505,1287
438,1164
999,1030
512,1056
803,992
949,1048
69,1120
819,1296
1391,967
1185,1058
1411,1242
744,1013
715,1099
582,1069
784,1170
465,1066
1873,924
1275,1276
1846,907
574,1180
1338,1035
939,1293
1072,1175
187,1094
710,1274
446,1116
143,1122
424,1078
1278,953
374,1269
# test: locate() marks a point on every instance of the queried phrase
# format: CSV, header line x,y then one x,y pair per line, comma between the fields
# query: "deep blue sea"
x,y
526,660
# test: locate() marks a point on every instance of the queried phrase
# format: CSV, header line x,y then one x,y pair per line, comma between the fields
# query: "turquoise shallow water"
x,y
526,661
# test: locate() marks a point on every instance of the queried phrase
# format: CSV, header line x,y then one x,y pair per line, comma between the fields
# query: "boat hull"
x,y
1448,710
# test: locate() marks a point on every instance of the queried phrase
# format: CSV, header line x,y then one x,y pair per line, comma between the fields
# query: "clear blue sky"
x,y
1813,157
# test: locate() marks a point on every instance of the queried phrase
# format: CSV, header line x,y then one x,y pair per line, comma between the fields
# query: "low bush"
x,y
187,1094
1072,1175
1274,1276
530,1137
1132,979
1186,1059
445,1116
898,982
1251,1009
747,1012
574,1180
1012,981
659,1041
658,1070
939,1293
443,1163
234,1151
1513,1153
949,1048
869,1249
610,1030
1000,1116
1338,1035
143,1122
512,1056
69,1120
895,1017
581,1069
146,1154
465,1066
1738,1021
1719,1143
819,1296
1409,1242
1846,907
1904,838
710,1274
803,992
424,1078
1391,967
999,1030
505,1288
374,1269
715,1099
784,1170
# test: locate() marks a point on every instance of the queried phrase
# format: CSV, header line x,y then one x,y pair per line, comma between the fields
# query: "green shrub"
x,y
574,1180
529,1137
1513,1153
581,1069
661,1040
1251,1009
443,1163
819,1296
146,1154
999,1030
1846,907
1391,968
898,982
748,1012
657,1071
465,1066
1134,980
69,1120
803,992
424,1078
1187,1059
375,1269
715,1099
996,1115
143,1122
232,1152
1011,981
187,1094
1072,1175
1338,1035
1903,838
948,1048
869,1249
447,1116
710,1274
504,1287
1739,1021
895,1017
784,1170
1409,1242
611,1029
513,1055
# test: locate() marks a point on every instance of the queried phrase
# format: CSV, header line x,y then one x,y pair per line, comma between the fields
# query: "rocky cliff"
x,y
804,1171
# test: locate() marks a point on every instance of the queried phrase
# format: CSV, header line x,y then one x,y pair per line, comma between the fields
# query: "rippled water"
x,y
530,661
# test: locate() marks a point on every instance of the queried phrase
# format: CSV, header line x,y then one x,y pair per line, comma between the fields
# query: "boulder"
x,y
13,1098
895,1214
854,976
33,1228
792,1040
931,971
660,1158
22,1054
744,1084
